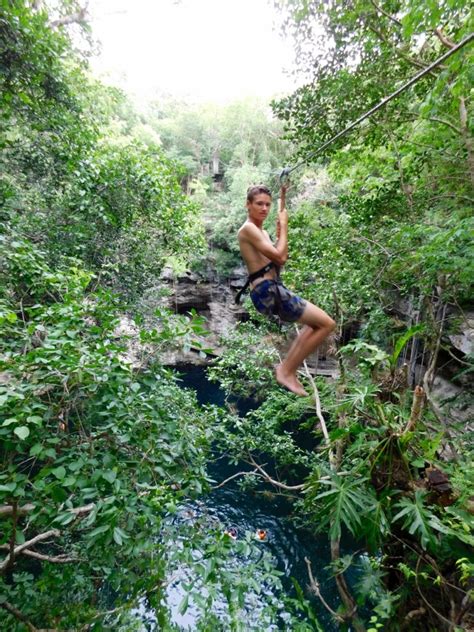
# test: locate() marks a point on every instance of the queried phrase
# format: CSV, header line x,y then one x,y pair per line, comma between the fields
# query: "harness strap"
x,y
252,277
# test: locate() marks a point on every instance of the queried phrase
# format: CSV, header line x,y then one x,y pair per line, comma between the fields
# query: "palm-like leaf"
x,y
417,518
345,502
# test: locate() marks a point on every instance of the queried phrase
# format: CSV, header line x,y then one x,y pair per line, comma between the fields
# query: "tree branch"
x,y
451,624
8,510
26,545
468,142
82,510
436,119
376,243
407,58
269,479
344,591
314,586
227,480
74,18
412,116
443,38
387,15
430,372
54,559
18,615
319,415
11,546
413,614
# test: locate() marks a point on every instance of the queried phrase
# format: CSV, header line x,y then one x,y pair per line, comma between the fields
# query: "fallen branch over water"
x,y
269,479
227,480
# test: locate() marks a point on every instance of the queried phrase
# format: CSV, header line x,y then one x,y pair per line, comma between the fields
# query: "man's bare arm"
x,y
278,254
282,222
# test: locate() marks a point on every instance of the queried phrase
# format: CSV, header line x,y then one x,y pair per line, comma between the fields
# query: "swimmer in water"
x,y
231,532
261,535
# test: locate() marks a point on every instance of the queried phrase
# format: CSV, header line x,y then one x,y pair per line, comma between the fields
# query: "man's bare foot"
x,y
289,381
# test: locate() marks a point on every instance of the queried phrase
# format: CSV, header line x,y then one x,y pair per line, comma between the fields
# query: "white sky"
x,y
208,50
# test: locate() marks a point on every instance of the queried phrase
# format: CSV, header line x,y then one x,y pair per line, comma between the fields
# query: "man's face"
x,y
259,207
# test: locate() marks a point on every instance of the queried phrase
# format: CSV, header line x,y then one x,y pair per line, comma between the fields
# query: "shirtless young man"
x,y
268,294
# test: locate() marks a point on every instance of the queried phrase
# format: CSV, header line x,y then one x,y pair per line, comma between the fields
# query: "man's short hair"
x,y
256,190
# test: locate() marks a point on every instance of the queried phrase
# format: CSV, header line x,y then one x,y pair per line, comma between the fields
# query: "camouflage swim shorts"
x,y
272,298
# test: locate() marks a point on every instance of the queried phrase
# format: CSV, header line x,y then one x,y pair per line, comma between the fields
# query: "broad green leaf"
x,y
59,472
109,476
22,431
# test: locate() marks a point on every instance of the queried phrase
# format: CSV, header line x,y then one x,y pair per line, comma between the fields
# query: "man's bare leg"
x,y
318,326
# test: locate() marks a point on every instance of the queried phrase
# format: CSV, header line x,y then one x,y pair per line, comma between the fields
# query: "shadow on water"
x,y
246,512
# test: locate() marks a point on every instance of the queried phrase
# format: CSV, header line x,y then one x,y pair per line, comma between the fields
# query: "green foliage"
x,y
346,501
105,453
376,494
246,368
380,229
243,140
417,518
74,177
400,223
79,419
99,446
100,449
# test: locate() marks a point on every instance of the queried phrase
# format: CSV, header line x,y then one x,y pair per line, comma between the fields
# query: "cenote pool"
x,y
246,512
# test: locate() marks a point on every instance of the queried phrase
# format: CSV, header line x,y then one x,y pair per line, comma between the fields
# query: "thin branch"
x,y
465,606
322,423
18,615
54,559
269,479
11,545
74,18
413,116
314,585
376,243
468,141
26,545
436,119
442,152
443,38
454,357
8,510
429,375
454,196
387,15
344,591
227,480
407,58
82,510
319,415
438,614
413,614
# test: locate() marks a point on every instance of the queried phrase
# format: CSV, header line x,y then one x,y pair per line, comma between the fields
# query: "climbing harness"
x,y
287,171
255,275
